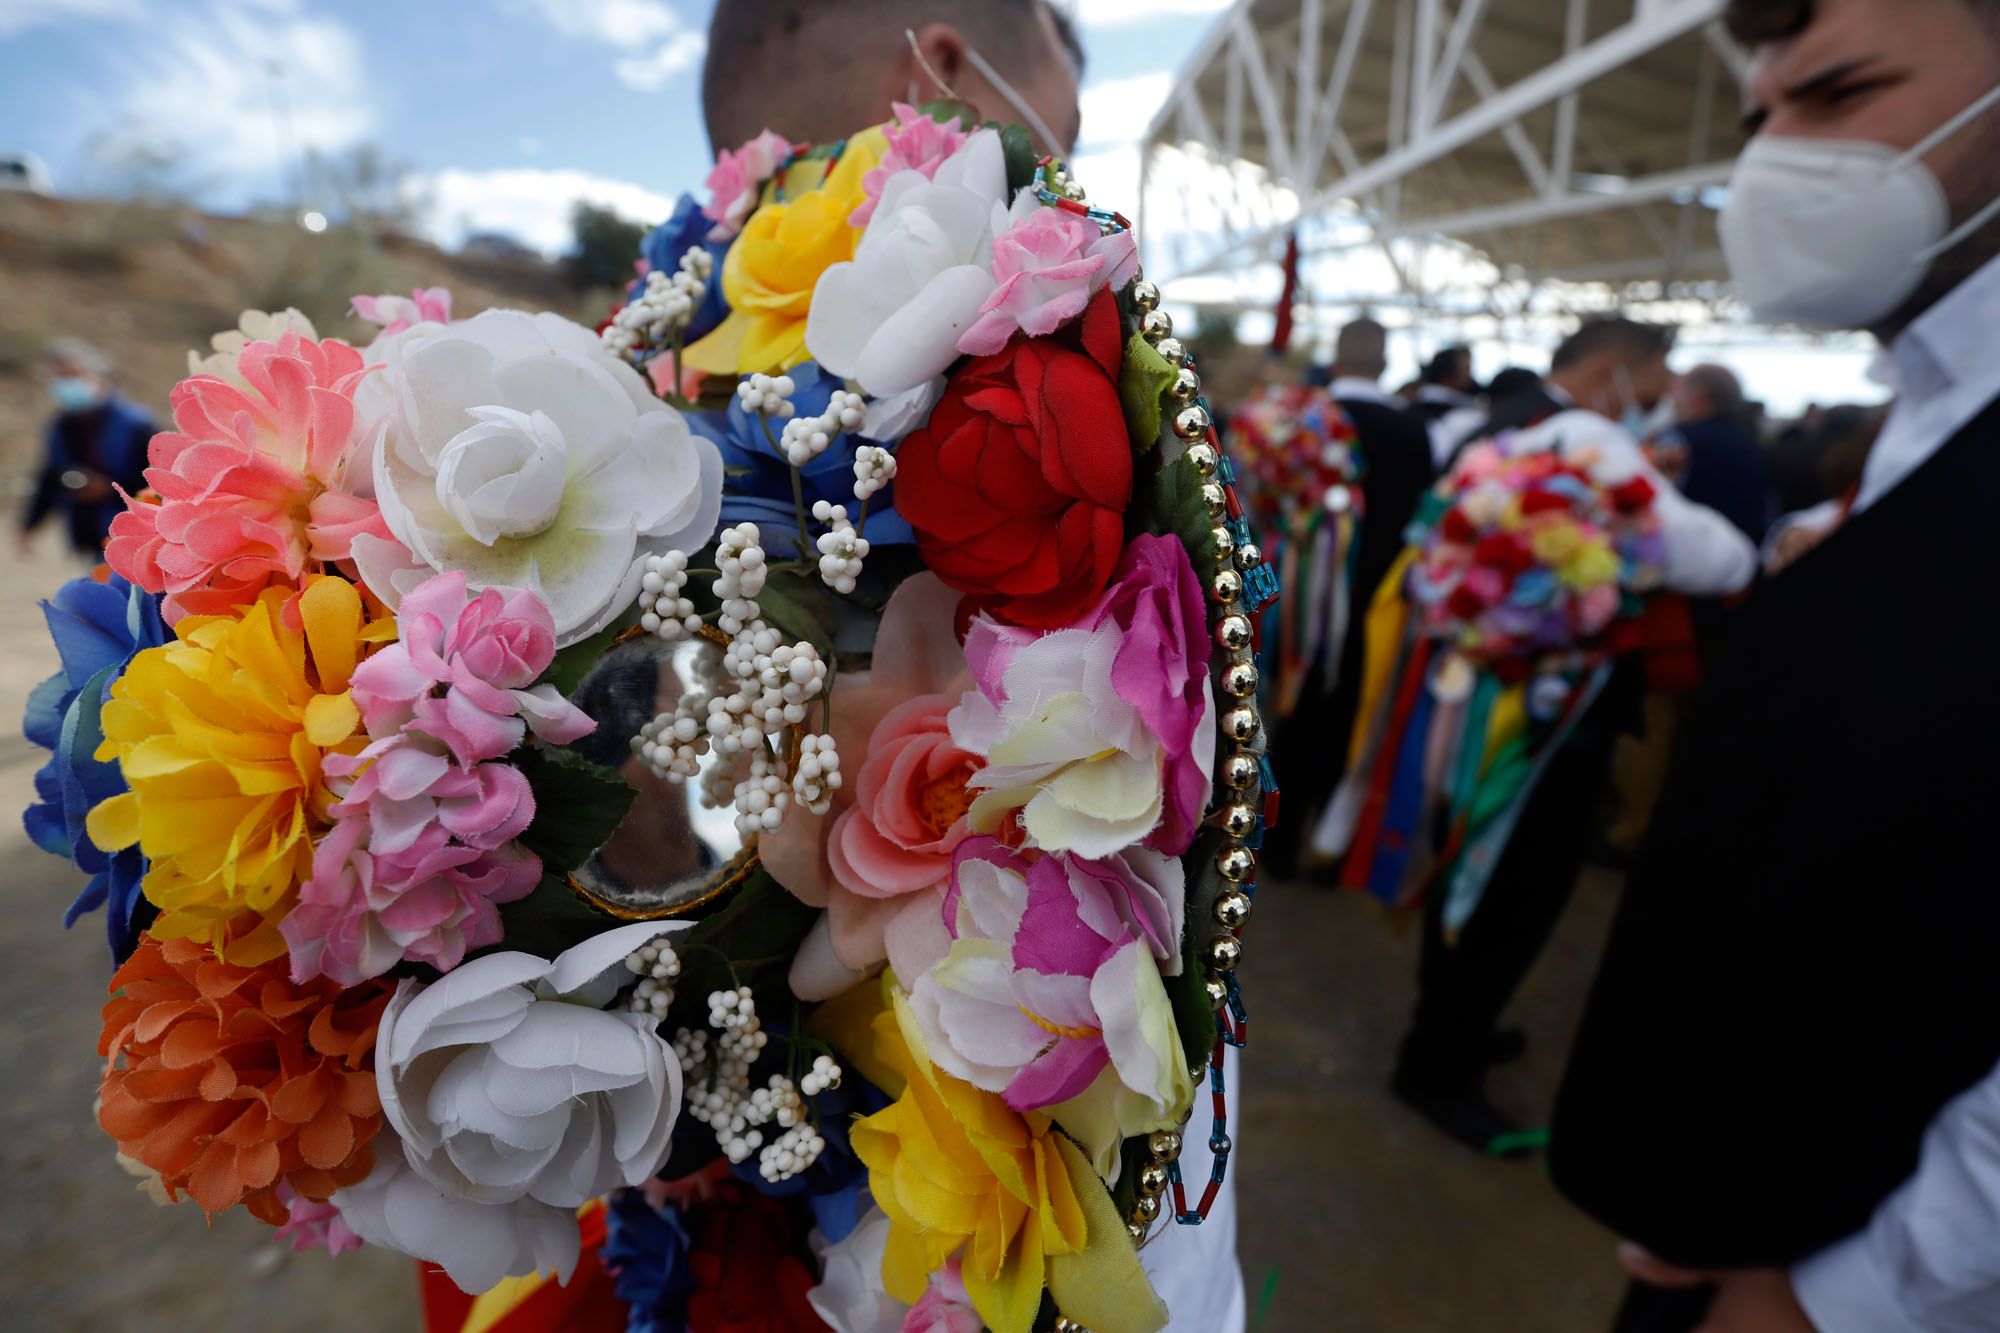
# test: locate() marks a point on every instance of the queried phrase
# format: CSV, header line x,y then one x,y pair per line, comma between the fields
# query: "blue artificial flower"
x,y
98,628
759,488
662,249
834,1184
647,1250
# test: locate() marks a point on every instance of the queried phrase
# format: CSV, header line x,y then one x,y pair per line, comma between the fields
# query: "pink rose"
x,y
425,305
484,652
1048,266
916,143
910,800
314,1225
737,181
946,1306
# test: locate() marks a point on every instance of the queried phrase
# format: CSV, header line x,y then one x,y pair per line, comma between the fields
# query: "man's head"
x,y
1361,350
1612,364
1709,391
814,70
1451,368
1887,72
77,375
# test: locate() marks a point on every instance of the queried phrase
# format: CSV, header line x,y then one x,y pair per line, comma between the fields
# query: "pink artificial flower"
x,y
909,804
425,305
736,182
255,485
485,651
946,1306
916,143
420,856
313,1225
1047,267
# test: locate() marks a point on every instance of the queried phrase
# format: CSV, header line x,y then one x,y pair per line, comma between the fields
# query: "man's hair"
x,y
1448,362
1720,386
744,37
1627,338
1510,382
1361,342
76,352
1755,22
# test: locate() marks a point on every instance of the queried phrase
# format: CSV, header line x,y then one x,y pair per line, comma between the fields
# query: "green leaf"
x,y
800,608
578,805
1142,383
551,919
945,110
1174,507
573,663
1021,157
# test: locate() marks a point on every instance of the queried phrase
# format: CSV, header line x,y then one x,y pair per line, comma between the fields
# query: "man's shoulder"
x,y
1381,418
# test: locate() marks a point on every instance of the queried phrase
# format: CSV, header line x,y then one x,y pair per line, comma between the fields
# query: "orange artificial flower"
x,y
227,1080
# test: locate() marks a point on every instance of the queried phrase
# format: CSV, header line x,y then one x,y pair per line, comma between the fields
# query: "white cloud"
x,y
1118,13
20,15
1118,110
214,83
649,74
655,43
531,204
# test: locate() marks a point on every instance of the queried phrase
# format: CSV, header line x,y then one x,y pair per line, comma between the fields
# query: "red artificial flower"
x,y
1506,552
1632,495
1017,485
1464,603
748,1275
1540,501
1456,527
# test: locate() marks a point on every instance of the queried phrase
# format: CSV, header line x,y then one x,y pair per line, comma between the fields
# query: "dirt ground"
x,y
1356,1216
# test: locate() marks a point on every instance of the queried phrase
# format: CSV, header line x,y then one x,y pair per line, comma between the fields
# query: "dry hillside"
x,y
146,283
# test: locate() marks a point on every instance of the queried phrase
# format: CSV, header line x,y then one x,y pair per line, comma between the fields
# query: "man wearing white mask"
x,y
1784,1093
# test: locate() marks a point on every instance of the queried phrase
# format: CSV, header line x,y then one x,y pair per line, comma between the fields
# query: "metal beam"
x,y
1574,26
1734,58
1305,89
1516,138
1250,52
1446,73
1327,122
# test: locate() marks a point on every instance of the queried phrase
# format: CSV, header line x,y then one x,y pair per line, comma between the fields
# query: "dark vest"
x,y
1806,964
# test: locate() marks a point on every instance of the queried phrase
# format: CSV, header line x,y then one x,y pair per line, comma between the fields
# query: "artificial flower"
x,y
314,1224
476,1244
773,267
850,1296
1053,978
230,1080
463,671
960,1173
646,1253
1103,735
255,485
1045,269
514,449
890,319
510,1088
736,182
97,628
916,142
748,1275
221,736
686,229
1017,486
863,924
252,326
424,305
946,1306
760,477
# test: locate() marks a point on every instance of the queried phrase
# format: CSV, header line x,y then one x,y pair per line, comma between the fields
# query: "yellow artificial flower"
x,y
1592,563
958,1171
1555,541
770,272
219,736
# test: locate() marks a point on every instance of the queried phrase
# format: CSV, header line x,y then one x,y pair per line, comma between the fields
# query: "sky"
x,y
509,111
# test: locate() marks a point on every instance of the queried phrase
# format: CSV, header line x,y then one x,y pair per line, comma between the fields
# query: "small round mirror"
x,y
673,851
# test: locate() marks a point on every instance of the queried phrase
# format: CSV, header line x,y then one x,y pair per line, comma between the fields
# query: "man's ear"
x,y
940,59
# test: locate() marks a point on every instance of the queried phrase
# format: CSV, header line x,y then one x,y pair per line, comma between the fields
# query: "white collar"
x,y
1357,390
1441,393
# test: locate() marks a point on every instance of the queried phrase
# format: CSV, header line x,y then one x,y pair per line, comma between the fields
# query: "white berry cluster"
x,y
841,548
739,560
808,437
763,798
818,774
656,965
664,610
874,468
665,305
824,1076
767,395
720,1096
790,1153
672,744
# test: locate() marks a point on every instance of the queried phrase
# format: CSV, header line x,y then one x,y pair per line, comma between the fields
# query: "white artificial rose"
x,y
509,1085
514,448
890,320
252,326
477,1244
850,1296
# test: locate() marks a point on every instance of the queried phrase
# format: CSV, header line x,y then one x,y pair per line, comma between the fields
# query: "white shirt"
x,y
1450,429
1929,1260
1354,389
1194,1269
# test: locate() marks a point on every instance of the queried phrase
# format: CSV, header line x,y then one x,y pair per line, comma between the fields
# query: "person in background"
x,y
1725,465
1396,471
95,445
1784,1091
1011,60
1447,401
1613,366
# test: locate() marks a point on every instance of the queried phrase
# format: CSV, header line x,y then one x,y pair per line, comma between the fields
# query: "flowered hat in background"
x,y
748,815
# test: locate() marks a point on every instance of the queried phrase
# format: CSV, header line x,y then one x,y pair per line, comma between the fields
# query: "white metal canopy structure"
x,y
1540,141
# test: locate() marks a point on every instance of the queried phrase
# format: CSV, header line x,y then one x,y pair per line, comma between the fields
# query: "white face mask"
x,y
1836,234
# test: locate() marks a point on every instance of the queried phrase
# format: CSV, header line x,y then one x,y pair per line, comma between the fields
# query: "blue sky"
x,y
505,109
